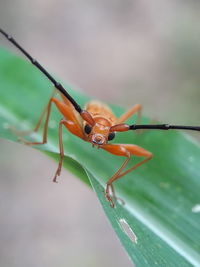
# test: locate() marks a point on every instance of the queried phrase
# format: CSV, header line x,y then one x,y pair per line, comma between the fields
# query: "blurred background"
x,y
122,52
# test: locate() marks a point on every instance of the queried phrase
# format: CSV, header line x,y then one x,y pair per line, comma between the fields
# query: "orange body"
x,y
103,118
96,124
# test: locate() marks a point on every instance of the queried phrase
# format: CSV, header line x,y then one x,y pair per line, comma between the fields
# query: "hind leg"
x,y
135,109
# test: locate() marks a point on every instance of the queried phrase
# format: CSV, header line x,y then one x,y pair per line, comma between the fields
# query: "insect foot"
x,y
112,198
109,199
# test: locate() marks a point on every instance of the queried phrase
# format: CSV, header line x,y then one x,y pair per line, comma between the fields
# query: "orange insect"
x,y
96,124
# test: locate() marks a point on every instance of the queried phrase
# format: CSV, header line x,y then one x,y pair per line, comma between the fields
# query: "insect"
x,y
96,124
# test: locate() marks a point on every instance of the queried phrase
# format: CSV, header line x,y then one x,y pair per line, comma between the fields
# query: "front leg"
x,y
74,129
126,151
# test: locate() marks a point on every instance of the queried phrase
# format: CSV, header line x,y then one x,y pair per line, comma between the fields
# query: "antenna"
x,y
44,71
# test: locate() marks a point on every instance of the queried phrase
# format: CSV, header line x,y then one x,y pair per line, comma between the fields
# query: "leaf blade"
x,y
162,192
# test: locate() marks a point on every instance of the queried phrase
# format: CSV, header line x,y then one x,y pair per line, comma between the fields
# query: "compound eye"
x,y
111,136
88,129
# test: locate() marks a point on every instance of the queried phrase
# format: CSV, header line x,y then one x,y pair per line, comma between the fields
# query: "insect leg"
x,y
58,171
126,151
44,139
72,124
38,124
135,109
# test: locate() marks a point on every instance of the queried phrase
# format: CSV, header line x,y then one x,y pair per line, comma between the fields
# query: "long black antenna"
x,y
34,62
77,107
163,127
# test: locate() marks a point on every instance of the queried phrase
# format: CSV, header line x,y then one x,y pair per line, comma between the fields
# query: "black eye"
x,y
111,136
88,129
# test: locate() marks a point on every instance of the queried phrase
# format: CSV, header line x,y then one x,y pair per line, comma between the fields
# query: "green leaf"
x,y
160,196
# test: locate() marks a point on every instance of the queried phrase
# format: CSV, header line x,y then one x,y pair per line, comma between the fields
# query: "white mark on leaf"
x,y
196,208
127,230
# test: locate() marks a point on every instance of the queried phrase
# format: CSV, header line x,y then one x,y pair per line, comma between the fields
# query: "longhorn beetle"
x,y
95,124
